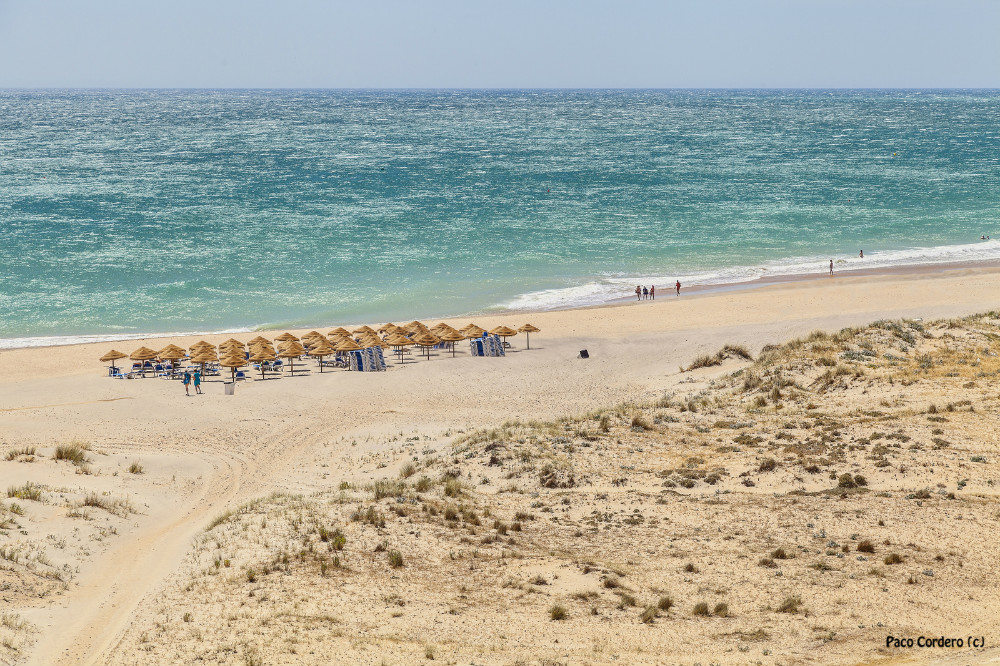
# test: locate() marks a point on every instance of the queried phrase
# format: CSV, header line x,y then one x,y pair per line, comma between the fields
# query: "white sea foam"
x,y
62,340
608,288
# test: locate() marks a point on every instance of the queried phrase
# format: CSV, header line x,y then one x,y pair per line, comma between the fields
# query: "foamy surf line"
x,y
610,288
63,340
605,289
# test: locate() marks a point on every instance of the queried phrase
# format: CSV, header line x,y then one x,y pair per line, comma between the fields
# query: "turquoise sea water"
x,y
131,212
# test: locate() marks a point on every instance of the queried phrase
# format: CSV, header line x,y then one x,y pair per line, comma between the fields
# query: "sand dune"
x,y
133,574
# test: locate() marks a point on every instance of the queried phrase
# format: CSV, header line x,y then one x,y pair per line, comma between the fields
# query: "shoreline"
x,y
698,290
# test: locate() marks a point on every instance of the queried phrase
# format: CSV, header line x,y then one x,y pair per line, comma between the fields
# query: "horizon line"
x,y
505,88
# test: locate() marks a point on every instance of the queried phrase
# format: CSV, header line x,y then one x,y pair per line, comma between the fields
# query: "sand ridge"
x,y
312,433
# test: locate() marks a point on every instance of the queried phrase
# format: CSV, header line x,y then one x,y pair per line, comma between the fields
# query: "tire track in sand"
x,y
101,607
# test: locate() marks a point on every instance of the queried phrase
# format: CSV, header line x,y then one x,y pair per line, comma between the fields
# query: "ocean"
x,y
133,212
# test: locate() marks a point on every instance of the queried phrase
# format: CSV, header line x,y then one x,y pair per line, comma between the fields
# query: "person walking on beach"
x,y
831,268
638,293
677,287
187,383
197,381
645,293
652,292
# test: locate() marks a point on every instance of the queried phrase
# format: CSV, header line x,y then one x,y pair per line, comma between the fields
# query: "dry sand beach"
x,y
795,507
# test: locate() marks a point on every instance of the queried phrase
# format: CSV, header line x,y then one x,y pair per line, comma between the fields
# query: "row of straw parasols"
x,y
232,353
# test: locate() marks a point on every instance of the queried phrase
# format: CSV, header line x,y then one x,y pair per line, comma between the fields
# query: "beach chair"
x,y
116,373
476,346
240,375
379,358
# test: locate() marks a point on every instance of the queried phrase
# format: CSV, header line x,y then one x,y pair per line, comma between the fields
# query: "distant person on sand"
x,y
831,268
197,381
187,383
652,292
862,254
638,293
645,293
677,287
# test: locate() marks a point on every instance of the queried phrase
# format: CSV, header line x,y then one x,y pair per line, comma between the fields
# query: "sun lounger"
x,y
376,359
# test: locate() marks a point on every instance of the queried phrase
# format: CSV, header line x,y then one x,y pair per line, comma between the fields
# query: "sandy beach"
x,y
120,566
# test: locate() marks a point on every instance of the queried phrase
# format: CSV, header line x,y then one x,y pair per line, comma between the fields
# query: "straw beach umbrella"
x,y
347,344
397,341
200,346
504,332
113,356
260,355
528,329
286,337
321,350
203,356
173,355
472,331
426,339
143,354
451,336
291,350
232,362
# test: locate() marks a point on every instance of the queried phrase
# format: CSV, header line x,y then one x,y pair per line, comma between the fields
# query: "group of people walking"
x,y
649,293
192,378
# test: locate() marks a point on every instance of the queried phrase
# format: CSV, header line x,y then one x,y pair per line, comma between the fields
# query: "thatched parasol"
x,y
386,328
527,329
452,336
203,356
291,350
113,356
232,362
286,337
143,354
426,339
504,332
340,330
259,339
260,355
472,331
346,345
397,341
414,327
172,355
321,350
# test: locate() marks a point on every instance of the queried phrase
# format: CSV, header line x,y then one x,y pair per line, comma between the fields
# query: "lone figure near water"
x,y
677,287
831,268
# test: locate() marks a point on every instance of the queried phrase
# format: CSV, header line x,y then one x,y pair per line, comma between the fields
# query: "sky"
x,y
500,44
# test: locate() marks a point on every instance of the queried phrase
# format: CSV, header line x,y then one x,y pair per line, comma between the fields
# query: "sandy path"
x,y
101,607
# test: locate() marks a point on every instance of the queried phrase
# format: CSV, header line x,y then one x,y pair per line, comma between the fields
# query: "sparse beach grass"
x,y
745,512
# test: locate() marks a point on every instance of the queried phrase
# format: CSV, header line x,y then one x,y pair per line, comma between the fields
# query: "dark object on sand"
x,y
584,353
